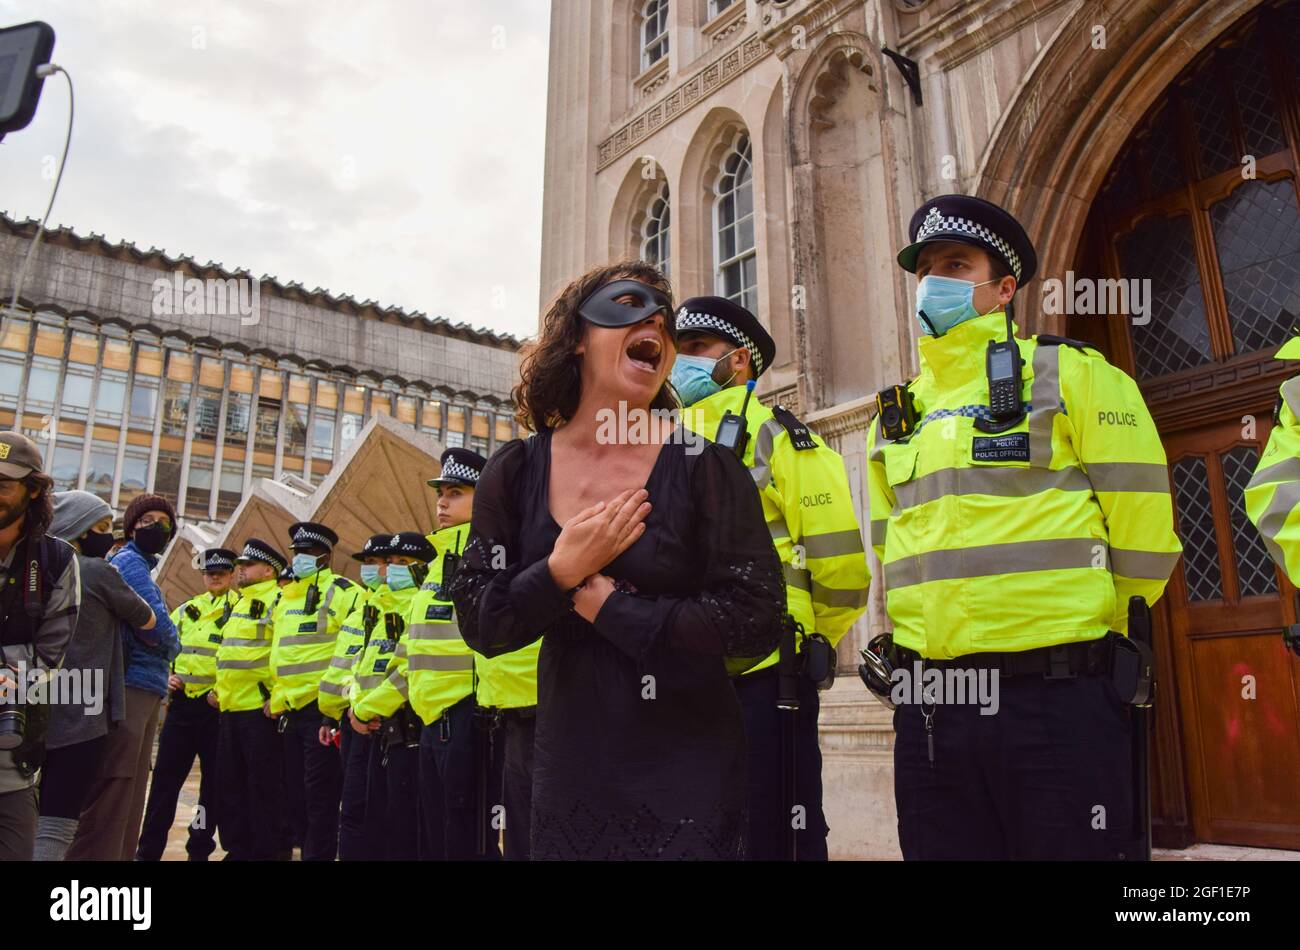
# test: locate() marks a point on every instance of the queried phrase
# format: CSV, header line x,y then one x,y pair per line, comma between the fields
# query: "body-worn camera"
x,y
819,661
897,410
401,729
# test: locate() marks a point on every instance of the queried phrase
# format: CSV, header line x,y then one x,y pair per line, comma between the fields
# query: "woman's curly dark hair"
x,y
550,377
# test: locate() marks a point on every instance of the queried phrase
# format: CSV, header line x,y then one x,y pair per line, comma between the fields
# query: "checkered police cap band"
x,y
257,554
937,223
308,536
218,562
454,469
707,321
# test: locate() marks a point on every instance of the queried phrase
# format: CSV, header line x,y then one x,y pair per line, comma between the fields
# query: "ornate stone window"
x,y
717,6
736,273
656,246
654,32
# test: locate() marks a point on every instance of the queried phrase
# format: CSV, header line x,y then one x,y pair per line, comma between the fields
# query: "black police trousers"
x,y
447,785
189,731
354,841
248,781
516,736
1048,776
392,824
321,782
768,827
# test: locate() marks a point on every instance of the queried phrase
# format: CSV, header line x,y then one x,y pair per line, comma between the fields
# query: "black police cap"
x,y
974,221
459,467
218,559
307,534
376,546
410,544
728,319
255,549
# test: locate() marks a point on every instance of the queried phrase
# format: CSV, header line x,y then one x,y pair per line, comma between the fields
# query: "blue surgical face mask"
x,y
946,301
304,565
399,577
692,377
370,575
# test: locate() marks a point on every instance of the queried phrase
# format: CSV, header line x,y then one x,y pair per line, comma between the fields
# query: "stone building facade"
x,y
774,150
131,383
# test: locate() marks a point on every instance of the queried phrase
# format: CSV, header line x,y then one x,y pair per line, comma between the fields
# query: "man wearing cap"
x,y
308,616
440,678
810,512
40,594
191,726
334,699
379,700
248,748
1015,511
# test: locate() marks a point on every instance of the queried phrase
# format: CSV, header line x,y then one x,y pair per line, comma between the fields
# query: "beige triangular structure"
x,y
378,486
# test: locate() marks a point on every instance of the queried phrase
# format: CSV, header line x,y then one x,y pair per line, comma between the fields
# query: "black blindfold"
x,y
602,308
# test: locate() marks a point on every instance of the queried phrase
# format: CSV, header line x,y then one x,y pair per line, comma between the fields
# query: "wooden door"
x,y
1238,686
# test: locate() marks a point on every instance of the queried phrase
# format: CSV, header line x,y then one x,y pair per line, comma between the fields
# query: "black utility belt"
x,y
1086,658
402,728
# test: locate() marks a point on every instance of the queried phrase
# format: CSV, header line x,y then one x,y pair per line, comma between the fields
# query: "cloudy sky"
x,y
390,149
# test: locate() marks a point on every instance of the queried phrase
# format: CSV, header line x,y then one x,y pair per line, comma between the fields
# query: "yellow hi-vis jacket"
x,y
335,690
809,510
508,681
384,661
1273,493
198,622
1028,538
440,665
244,657
304,642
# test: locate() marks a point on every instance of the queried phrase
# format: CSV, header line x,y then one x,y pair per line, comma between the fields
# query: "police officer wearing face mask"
x,y
810,513
1019,498
308,615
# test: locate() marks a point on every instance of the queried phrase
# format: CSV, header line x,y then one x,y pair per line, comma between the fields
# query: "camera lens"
x,y
890,417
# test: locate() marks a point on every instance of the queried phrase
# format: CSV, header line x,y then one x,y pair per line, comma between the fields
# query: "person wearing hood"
x,y
109,829
78,733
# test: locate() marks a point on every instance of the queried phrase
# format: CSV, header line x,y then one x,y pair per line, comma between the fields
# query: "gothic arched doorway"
x,y
1202,203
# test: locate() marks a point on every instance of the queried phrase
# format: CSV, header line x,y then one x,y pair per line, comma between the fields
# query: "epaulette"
x,y
345,583
1048,339
800,437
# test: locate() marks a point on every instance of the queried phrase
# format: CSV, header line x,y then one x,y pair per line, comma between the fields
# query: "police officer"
x,y
1273,492
810,512
248,748
1019,498
334,699
307,619
440,678
190,727
395,745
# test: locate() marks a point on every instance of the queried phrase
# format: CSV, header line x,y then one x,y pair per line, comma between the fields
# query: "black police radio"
x,y
1002,367
732,433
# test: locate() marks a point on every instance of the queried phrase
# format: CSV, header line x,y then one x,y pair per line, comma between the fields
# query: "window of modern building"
x,y
144,391
42,384
406,410
176,392
454,440
295,432
199,484
354,402
13,355
737,259
167,476
231,489
654,32
66,464
135,469
432,418
111,398
656,248
100,471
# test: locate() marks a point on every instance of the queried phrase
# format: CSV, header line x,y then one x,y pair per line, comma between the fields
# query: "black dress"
x,y
640,748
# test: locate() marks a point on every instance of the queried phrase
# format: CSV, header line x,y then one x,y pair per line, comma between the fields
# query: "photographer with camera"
x,y
40,595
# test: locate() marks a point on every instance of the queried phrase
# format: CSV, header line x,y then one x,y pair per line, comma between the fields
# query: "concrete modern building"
x,y
773,151
138,372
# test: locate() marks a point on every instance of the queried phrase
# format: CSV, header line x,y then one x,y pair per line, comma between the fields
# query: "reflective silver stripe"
x,y
198,651
435,631
1001,482
993,559
1129,476
334,689
306,639
832,543
778,529
370,680
443,664
1287,470
879,531
1143,565
192,680
761,469
341,662
293,669
832,597
245,641
1045,395
323,615
1291,393
797,577
264,662
1285,497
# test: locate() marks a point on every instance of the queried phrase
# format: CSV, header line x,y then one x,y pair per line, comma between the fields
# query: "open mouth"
x,y
646,353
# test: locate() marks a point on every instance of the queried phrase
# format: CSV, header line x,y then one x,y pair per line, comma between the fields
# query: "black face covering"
x,y
151,539
602,308
97,543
